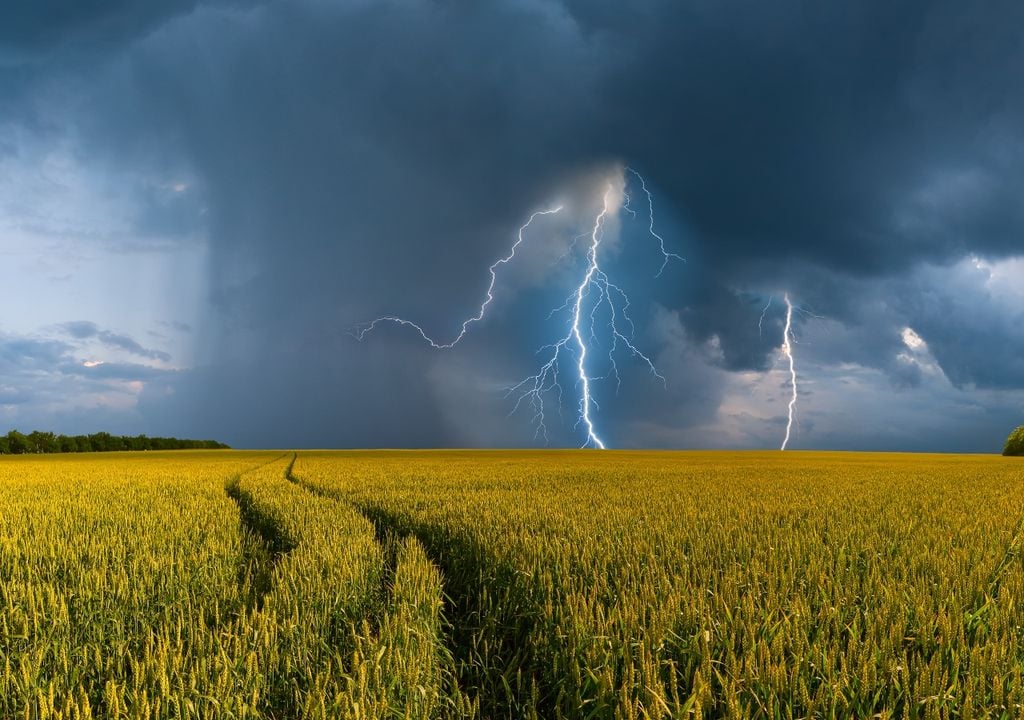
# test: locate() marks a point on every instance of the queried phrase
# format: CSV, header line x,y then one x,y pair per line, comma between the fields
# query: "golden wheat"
x,y
634,585
510,585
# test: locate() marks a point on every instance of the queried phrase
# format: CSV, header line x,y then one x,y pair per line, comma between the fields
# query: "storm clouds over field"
x,y
199,199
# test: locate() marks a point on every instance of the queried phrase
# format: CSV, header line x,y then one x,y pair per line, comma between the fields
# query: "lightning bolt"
x,y
666,256
488,299
760,321
592,268
595,297
787,350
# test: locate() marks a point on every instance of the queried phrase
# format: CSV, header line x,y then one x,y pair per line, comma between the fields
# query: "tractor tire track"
x,y
263,543
505,687
386,539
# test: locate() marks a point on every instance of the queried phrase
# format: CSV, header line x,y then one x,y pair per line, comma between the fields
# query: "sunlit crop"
x,y
510,585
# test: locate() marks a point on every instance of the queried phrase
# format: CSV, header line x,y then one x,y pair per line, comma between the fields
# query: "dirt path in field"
x,y
386,539
263,544
501,684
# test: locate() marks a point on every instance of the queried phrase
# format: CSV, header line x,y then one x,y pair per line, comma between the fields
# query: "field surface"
x,y
576,584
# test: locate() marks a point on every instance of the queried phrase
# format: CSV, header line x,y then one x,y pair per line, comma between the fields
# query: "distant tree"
x,y
1015,443
101,442
5,447
42,442
17,442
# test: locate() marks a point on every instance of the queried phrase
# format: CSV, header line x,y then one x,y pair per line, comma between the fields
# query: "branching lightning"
x,y
596,298
760,321
787,350
666,256
788,342
367,327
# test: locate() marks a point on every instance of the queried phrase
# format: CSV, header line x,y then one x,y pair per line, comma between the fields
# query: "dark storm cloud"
x,y
86,330
41,36
322,399
968,314
850,136
976,336
166,212
863,136
360,158
46,24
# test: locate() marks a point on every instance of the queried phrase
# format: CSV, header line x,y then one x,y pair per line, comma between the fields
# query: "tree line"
x,y
1015,443
16,443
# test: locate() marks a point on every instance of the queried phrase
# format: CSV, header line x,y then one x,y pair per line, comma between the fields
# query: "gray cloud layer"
x,y
359,158
85,330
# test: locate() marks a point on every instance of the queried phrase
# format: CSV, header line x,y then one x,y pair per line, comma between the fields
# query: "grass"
x,y
511,584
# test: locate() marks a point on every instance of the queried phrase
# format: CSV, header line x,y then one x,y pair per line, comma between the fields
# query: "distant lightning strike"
x,y
361,332
760,321
595,287
787,350
788,341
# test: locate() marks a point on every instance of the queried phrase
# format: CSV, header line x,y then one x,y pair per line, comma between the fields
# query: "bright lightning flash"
x,y
787,350
596,297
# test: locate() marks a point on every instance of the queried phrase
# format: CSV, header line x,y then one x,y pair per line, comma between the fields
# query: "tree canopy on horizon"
x,y
1015,443
39,442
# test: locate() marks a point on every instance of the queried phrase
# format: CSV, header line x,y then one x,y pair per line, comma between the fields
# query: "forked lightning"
x,y
596,296
787,350
788,340
362,330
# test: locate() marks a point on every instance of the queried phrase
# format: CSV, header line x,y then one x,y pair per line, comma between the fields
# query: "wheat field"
x,y
511,584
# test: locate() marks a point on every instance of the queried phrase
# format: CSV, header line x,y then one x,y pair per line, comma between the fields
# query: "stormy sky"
x,y
201,199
